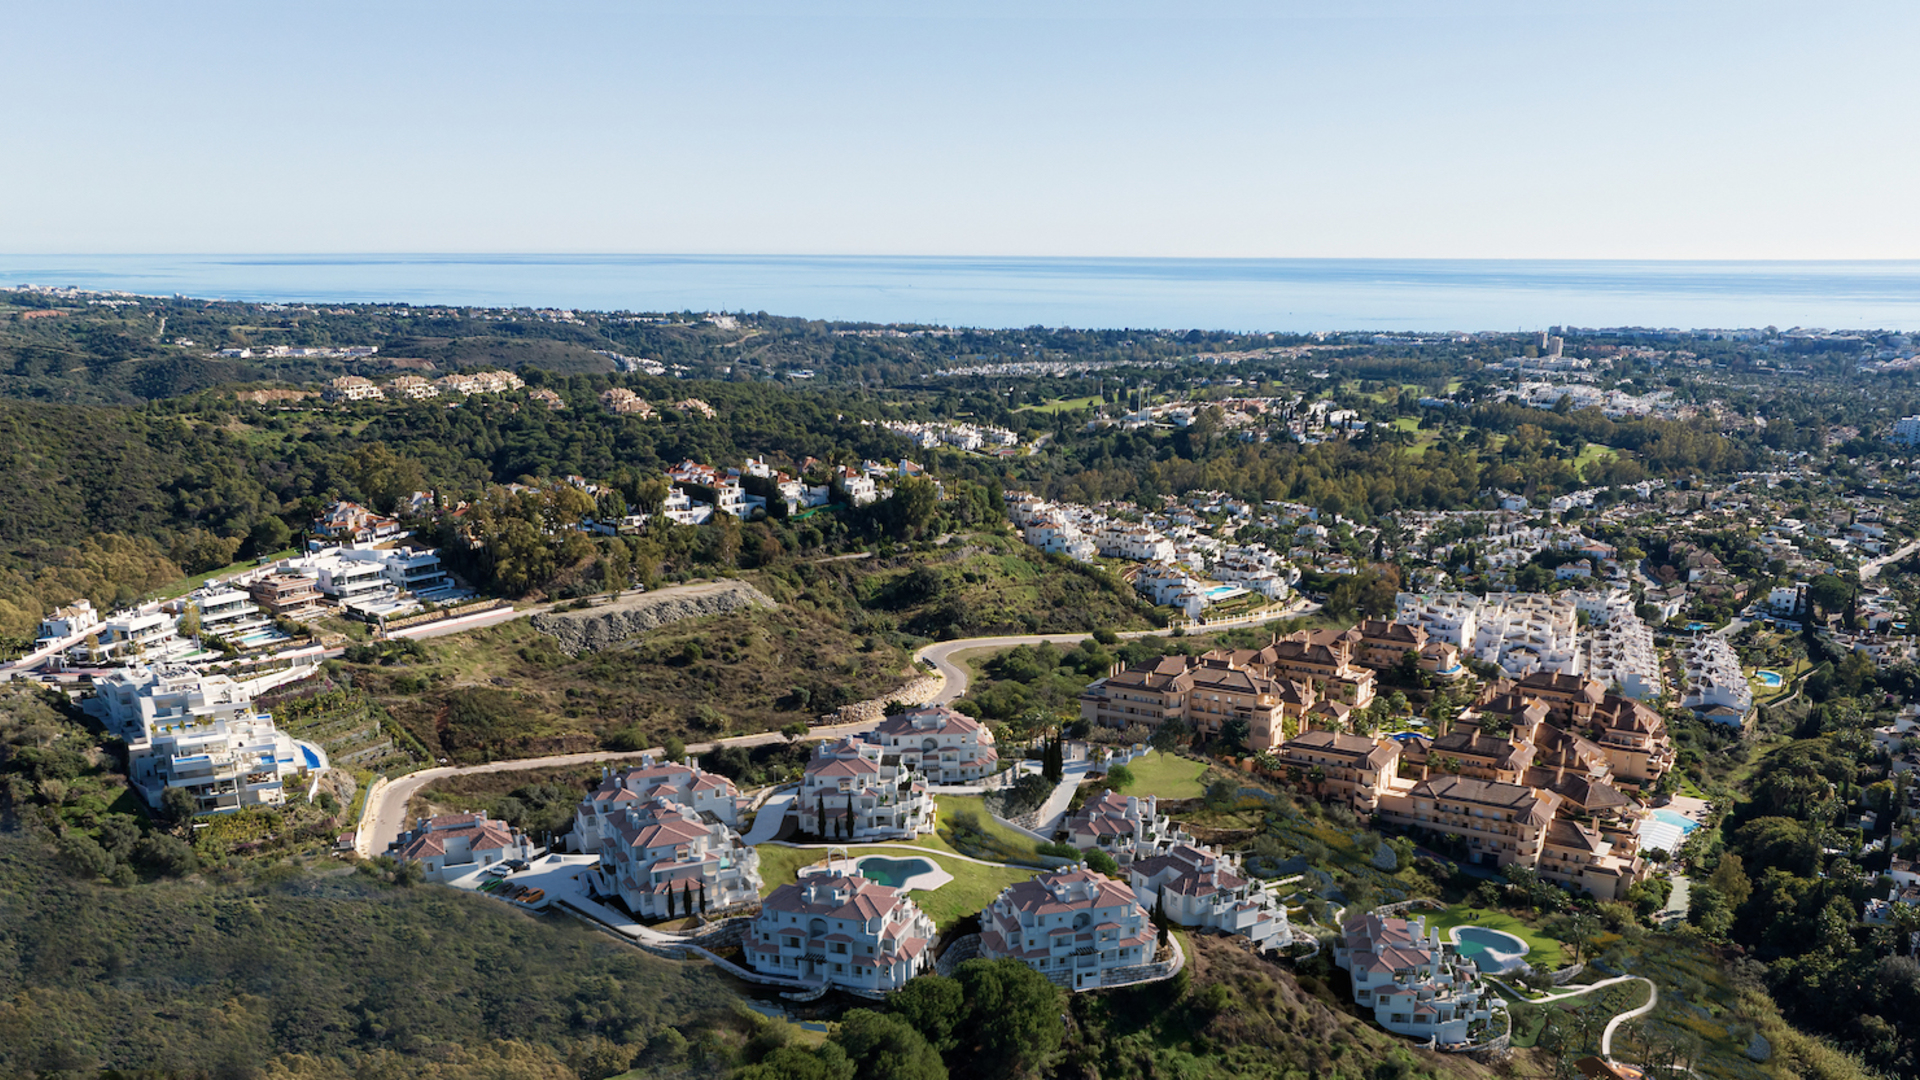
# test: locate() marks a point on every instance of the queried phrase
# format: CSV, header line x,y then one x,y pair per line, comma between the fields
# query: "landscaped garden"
x,y
973,886
1543,951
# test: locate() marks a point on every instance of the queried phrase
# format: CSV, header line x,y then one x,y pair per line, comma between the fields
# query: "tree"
x,y
795,731
886,1047
673,749
1119,777
670,912
1013,1020
1103,862
933,1005
178,805
1168,736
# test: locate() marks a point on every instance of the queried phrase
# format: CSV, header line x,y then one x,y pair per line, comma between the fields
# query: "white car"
x,y
499,870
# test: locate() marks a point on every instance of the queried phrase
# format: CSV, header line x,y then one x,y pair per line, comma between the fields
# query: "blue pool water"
x,y
313,759
1696,627
1676,819
1490,950
1223,590
892,872
1768,678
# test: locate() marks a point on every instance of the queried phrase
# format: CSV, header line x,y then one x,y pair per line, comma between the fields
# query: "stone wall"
x,y
959,951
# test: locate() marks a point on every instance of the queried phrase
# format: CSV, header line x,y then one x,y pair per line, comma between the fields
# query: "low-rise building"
x,y
1123,826
664,859
1198,887
288,596
945,745
1078,927
851,792
450,845
843,930
1416,985
709,794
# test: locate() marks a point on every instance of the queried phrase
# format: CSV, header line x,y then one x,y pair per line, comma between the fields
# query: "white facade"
x,y
945,746
1713,684
1197,886
666,860
707,793
1416,985
454,844
841,929
861,795
1906,430
1079,928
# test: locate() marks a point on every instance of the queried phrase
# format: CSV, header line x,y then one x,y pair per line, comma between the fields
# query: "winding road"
x,y
386,816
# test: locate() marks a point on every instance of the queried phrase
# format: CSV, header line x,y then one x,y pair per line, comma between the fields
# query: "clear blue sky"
x,y
1543,128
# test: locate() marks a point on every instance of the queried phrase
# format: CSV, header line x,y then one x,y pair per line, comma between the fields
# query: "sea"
x,y
1248,295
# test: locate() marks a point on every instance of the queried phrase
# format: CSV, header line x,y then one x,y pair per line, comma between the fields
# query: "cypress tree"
x,y
669,901
703,896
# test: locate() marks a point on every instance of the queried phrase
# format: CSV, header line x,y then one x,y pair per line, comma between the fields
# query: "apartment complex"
x,y
841,929
946,746
1530,774
710,794
1079,928
851,791
1416,985
663,858
1196,886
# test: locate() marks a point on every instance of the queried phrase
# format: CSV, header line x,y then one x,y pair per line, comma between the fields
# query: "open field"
x,y
1059,405
1168,776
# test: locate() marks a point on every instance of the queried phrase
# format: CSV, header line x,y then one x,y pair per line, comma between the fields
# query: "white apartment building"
x,y
136,701
850,792
1170,585
1621,653
683,508
226,611
1906,430
1521,633
137,637
1079,928
1197,886
1713,684
1058,536
843,930
65,622
352,388
664,859
688,784
1124,826
229,764
945,746
1416,985
859,489
1137,543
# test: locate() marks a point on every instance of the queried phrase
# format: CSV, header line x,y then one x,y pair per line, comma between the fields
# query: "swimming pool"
x,y
1768,678
1490,950
1676,819
903,874
1696,627
1221,592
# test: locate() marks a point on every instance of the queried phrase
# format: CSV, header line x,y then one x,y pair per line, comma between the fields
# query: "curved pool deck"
x,y
1493,951
906,873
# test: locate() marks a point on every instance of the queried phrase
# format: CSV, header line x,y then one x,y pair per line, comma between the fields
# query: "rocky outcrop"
x,y
918,692
600,627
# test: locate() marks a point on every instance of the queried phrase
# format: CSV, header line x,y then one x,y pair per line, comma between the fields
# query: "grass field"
x,y
1058,405
1167,776
1544,951
973,886
1593,452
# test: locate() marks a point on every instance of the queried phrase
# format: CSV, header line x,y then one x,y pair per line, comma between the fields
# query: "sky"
x,y
1352,129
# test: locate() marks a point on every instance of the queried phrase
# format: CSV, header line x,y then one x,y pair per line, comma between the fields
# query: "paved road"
x,y
1606,1037
386,819
1871,568
941,654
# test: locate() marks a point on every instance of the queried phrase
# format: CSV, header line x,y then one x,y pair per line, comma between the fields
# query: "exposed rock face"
x,y
600,627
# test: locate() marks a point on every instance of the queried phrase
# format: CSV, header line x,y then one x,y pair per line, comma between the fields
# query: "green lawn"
x,y
1593,452
973,886
975,805
1061,405
1168,776
1544,951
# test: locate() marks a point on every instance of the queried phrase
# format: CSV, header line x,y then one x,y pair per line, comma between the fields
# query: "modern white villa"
x,y
201,733
946,746
842,929
1080,928
1416,985
861,795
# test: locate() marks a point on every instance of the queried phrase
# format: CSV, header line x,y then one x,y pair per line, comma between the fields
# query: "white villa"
x,y
946,746
1197,886
687,784
199,732
841,929
450,845
1079,928
665,859
862,796
1415,985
